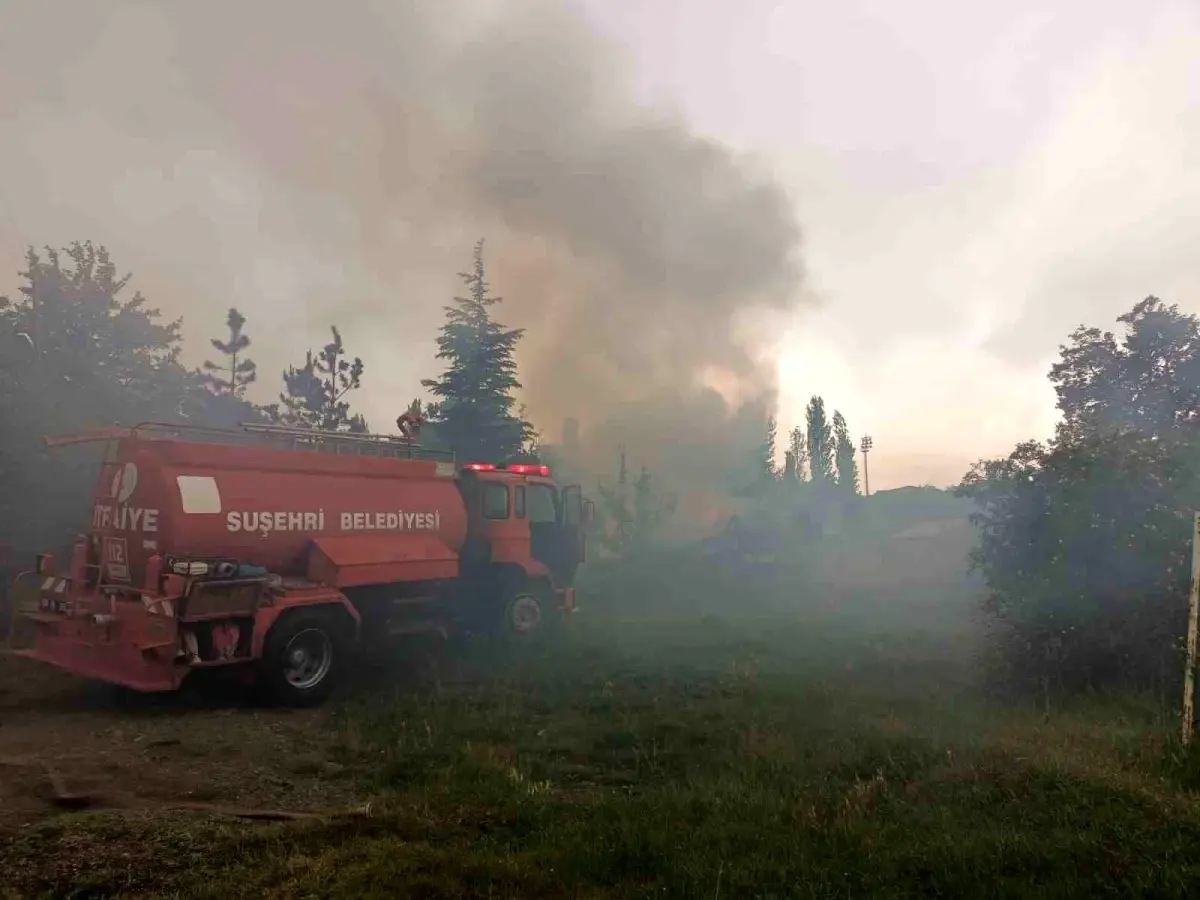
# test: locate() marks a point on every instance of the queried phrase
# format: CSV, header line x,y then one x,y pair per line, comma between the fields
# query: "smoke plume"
x,y
334,162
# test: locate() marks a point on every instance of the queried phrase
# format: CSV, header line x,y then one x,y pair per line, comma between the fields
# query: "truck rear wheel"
x,y
303,658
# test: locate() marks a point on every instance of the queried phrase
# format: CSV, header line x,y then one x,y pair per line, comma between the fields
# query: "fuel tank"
x,y
275,508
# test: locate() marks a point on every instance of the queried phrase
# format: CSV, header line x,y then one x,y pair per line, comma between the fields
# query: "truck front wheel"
x,y
528,612
303,658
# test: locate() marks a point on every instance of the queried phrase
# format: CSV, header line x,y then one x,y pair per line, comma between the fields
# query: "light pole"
x,y
866,446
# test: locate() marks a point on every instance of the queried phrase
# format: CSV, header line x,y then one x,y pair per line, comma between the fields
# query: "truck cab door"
x,y
575,515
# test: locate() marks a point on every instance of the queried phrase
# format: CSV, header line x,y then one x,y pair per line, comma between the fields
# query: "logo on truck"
x,y
124,483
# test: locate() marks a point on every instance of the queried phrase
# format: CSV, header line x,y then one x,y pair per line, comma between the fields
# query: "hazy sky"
x,y
973,181
970,182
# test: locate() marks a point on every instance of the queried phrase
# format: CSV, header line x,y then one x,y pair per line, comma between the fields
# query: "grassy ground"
x,y
836,747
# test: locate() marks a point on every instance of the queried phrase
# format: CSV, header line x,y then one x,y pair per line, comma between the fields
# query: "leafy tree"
x,y
79,329
798,449
820,443
1149,380
844,456
615,518
1085,541
768,471
650,508
789,467
630,516
314,393
77,352
473,412
237,372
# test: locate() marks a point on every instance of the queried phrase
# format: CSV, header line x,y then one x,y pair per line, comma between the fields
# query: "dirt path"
x,y
114,751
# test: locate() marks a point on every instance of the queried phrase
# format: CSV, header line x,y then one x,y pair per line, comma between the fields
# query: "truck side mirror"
x,y
589,514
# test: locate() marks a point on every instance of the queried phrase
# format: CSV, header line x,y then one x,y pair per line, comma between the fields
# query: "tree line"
x,y
78,350
819,452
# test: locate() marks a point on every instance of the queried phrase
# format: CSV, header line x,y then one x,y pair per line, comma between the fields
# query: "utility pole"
x,y
1189,673
866,446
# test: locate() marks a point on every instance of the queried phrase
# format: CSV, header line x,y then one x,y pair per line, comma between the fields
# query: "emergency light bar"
x,y
516,468
525,469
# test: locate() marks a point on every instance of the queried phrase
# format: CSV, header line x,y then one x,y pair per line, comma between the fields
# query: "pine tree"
x,y
473,412
820,442
847,463
301,396
232,376
313,394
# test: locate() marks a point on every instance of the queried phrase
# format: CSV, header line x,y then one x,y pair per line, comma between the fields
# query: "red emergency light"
x,y
527,469
479,467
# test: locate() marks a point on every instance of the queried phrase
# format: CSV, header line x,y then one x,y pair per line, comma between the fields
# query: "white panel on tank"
x,y
199,494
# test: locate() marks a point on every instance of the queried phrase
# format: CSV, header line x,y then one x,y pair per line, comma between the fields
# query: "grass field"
x,y
835,744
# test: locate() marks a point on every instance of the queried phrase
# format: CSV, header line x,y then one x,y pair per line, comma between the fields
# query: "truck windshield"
x,y
542,504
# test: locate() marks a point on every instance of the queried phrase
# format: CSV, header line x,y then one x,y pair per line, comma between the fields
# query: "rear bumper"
x,y
110,654
106,667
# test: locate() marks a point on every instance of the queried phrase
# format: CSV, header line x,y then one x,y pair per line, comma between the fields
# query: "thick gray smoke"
x,y
334,162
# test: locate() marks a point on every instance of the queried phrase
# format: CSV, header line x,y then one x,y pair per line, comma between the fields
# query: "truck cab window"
x,y
542,504
519,502
495,501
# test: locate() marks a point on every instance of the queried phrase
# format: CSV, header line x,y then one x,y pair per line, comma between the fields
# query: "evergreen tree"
x,y
301,396
532,446
820,442
232,376
847,462
473,412
314,393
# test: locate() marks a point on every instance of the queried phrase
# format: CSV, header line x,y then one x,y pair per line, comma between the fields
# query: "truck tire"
x,y
528,612
304,658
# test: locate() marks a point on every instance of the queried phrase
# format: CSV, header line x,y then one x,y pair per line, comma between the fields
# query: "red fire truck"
x,y
276,549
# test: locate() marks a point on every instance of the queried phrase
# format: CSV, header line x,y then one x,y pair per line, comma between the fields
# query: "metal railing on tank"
x,y
345,442
280,436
